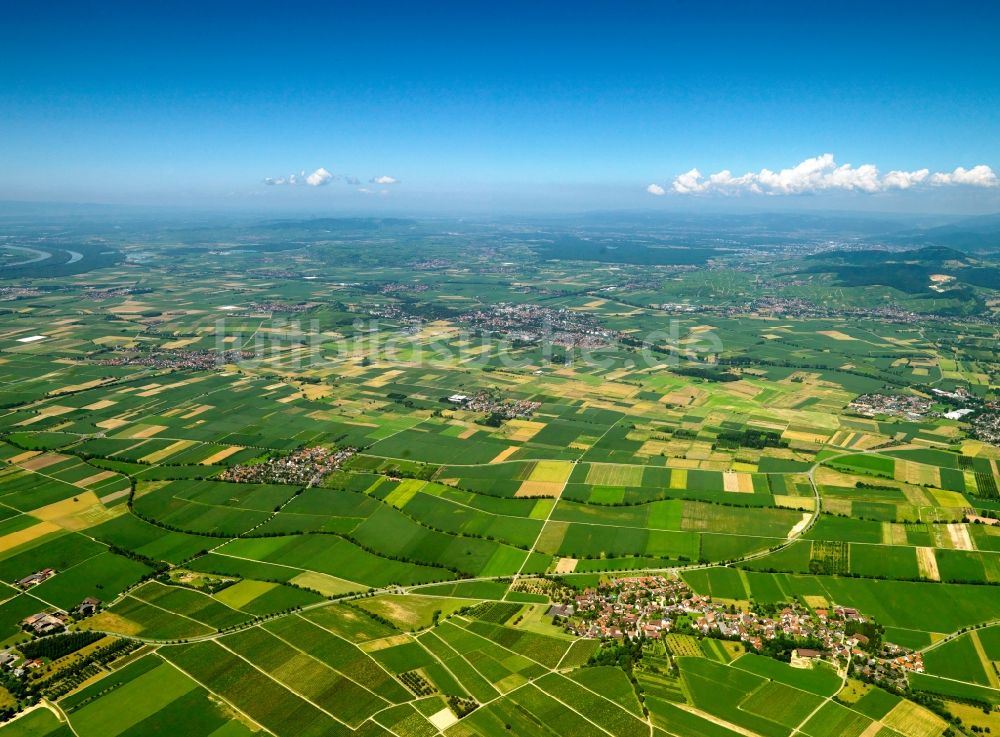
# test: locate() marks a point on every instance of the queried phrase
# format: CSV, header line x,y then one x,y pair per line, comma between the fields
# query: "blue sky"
x,y
506,106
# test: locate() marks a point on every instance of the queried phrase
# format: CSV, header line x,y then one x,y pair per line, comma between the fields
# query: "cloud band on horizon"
x,y
322,177
821,174
319,178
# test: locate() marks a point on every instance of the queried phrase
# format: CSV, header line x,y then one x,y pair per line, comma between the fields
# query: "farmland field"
x,y
314,485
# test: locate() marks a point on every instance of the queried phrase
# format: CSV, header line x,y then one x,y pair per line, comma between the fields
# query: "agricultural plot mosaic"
x,y
398,478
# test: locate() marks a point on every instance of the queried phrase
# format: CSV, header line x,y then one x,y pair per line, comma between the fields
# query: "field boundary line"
x,y
217,695
329,667
282,684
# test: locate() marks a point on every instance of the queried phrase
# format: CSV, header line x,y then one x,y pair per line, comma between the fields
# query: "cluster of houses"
x,y
986,427
47,623
532,323
35,578
491,403
177,359
388,311
398,287
893,665
11,660
99,294
797,307
891,405
652,606
11,293
675,307
432,263
280,307
303,466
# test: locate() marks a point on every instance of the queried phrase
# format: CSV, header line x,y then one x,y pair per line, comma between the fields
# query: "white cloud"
x,y
689,183
822,173
319,178
322,177
290,180
905,179
977,176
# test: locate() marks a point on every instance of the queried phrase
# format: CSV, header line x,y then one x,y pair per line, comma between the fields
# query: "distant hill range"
x,y
936,272
978,235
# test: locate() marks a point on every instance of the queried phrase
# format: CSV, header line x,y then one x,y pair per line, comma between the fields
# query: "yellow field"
x,y
804,437
523,430
551,471
836,335
197,411
927,564
918,497
853,690
973,716
960,538
146,431
406,490
949,498
740,483
373,646
22,457
180,343
654,447
53,410
893,534
130,307
410,611
325,584
917,473
243,592
837,506
86,511
540,488
384,378
112,423
66,508
612,474
108,498
910,719
11,541
101,404
566,565
221,455
175,447
503,455
96,478
38,462
108,622
805,503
